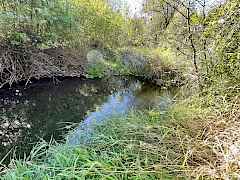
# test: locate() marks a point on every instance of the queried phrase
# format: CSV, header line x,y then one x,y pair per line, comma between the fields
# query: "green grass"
x,y
120,149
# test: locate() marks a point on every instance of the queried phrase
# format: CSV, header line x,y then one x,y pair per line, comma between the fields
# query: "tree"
x,y
63,22
182,22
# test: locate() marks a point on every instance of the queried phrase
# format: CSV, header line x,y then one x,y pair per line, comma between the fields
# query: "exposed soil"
x,y
27,62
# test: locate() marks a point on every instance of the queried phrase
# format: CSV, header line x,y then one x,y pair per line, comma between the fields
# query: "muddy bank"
x,y
23,63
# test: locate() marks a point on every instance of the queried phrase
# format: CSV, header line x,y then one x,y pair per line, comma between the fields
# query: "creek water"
x,y
46,111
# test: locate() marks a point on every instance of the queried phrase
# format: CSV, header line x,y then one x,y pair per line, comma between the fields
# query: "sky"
x,y
135,6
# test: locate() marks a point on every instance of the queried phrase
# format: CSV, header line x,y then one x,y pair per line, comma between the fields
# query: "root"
x,y
24,63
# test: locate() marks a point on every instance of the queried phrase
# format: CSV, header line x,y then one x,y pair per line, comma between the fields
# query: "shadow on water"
x,y
48,111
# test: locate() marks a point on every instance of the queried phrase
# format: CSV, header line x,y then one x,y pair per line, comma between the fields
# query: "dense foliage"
x,y
223,30
54,23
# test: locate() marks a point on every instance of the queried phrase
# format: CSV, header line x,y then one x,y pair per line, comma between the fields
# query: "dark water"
x,y
47,111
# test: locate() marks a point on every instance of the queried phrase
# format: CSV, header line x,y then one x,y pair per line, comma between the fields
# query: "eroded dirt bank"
x,y
26,62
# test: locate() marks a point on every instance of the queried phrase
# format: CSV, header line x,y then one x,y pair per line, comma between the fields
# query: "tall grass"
x,y
119,150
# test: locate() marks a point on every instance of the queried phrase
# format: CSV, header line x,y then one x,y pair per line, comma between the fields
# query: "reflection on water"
x,y
44,111
118,104
136,96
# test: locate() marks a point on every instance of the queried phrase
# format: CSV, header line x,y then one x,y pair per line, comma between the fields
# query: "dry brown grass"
x,y
223,140
211,143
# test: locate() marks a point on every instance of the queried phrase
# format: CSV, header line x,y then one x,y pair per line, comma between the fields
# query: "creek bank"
x,y
23,64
